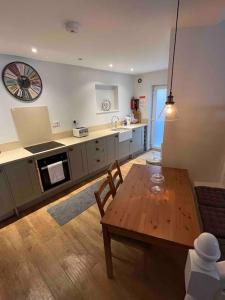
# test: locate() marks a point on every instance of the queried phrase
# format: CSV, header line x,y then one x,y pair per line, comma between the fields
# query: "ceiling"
x,y
125,33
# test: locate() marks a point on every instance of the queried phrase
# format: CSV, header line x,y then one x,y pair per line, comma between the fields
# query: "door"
x,y
138,140
78,161
111,144
124,149
6,202
157,126
23,180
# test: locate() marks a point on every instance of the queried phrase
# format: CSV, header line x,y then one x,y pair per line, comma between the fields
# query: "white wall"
x,y
197,140
69,93
146,89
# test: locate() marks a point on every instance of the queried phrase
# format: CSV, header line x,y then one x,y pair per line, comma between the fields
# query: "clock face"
x,y
22,81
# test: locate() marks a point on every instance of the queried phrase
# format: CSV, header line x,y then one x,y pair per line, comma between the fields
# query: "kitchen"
x,y
51,119
110,134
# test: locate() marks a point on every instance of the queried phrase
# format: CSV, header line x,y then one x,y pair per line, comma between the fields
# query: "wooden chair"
x,y
102,195
101,201
115,175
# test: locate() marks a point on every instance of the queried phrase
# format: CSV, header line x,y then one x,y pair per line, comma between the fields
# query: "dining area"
x,y
145,213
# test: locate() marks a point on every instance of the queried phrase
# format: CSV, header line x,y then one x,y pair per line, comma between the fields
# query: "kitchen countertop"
x,y
21,153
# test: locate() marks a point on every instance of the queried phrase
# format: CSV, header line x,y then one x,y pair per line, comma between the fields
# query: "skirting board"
x,y
210,184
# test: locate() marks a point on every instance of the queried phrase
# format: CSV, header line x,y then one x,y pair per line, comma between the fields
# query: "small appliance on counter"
x,y
79,131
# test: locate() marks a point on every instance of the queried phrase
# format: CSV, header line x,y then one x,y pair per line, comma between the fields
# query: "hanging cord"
x,y
174,46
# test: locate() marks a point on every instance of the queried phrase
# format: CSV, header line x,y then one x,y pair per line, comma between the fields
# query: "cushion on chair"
x,y
209,196
213,219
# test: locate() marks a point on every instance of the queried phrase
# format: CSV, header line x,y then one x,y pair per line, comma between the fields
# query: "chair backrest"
x,y
115,174
105,191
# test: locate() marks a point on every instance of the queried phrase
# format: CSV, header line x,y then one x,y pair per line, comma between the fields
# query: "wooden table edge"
x,y
148,239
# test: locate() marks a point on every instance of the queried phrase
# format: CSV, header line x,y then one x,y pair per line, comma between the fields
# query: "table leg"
x,y
108,253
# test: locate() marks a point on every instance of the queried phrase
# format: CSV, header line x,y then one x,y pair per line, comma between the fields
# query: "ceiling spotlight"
x,y
72,26
34,50
132,70
80,58
110,65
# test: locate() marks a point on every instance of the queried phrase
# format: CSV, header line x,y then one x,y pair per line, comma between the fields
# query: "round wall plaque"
x,y
106,105
22,81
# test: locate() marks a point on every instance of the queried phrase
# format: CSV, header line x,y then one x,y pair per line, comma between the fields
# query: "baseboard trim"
x,y
210,184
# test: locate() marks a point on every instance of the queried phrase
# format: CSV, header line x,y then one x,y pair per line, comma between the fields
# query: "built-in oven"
x,y
53,170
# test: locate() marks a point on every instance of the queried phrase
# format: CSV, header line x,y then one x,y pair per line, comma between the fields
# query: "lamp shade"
x,y
169,113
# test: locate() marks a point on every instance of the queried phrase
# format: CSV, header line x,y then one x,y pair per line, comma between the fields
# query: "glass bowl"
x,y
157,178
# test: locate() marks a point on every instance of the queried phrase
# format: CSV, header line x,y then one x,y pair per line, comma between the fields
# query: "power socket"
x,y
56,124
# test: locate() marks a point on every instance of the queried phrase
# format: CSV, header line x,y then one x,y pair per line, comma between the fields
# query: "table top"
x,y
168,217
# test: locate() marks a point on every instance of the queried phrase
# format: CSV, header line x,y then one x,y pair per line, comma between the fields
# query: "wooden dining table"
x,y
168,218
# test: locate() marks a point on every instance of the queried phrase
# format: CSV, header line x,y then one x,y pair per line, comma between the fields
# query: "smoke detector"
x,y
72,26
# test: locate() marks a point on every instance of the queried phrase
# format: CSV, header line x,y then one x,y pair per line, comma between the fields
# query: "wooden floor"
x,y
41,260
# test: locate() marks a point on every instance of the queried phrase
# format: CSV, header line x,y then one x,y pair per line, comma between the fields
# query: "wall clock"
x,y
22,81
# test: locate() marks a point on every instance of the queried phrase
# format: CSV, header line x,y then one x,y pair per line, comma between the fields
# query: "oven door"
x,y
44,172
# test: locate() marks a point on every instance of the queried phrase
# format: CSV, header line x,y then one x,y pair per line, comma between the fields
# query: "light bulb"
x,y
169,109
168,113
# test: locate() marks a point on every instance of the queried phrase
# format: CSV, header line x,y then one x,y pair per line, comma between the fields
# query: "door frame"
x,y
152,112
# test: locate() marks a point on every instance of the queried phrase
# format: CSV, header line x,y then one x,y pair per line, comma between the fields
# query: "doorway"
x,y
157,126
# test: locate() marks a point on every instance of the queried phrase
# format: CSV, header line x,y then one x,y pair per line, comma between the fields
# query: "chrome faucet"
x,y
115,120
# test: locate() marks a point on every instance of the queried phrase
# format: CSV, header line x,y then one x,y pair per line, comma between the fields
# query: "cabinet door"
x,y
78,161
111,148
124,149
96,154
137,140
23,180
6,202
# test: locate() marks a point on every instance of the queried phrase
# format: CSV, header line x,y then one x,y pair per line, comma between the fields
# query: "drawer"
x,y
96,148
95,164
96,154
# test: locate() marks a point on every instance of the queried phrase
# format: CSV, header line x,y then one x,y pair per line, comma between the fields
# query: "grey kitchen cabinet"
x,y
78,161
6,201
137,144
112,142
124,149
23,180
96,154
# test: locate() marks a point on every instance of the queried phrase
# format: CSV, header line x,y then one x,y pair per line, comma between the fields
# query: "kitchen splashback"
x,y
32,125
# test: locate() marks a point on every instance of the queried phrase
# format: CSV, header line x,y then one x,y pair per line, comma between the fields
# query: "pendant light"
x,y
169,111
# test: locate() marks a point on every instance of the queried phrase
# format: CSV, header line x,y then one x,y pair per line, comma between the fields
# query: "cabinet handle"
x,y
98,160
1,170
116,136
70,149
96,142
133,130
97,149
30,161
131,141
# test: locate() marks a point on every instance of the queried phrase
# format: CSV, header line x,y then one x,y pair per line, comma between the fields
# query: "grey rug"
x,y
74,206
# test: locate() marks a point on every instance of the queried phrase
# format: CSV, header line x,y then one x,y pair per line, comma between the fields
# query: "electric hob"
x,y
43,147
